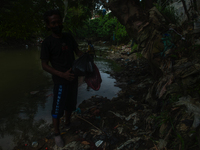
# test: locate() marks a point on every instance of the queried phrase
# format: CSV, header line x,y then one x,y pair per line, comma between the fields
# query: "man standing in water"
x,y
58,49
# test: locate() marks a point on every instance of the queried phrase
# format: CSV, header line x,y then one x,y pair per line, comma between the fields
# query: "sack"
x,y
94,80
83,65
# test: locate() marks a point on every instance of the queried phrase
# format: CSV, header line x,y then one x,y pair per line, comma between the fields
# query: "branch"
x,y
185,8
65,12
90,123
105,3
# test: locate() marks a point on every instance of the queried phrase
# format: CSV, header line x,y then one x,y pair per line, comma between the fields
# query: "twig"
x,y
155,147
102,123
89,123
171,127
185,8
168,134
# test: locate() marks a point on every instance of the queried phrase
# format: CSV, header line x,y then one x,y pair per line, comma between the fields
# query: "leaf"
x,y
85,143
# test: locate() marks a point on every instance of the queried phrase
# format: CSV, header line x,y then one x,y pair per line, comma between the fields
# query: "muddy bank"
x,y
103,123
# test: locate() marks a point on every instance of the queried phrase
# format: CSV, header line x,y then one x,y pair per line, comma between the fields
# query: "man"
x,y
91,50
58,49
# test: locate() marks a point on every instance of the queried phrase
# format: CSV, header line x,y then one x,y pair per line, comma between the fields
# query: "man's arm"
x,y
66,75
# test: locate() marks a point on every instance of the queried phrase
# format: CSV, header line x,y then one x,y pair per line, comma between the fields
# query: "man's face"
x,y
55,24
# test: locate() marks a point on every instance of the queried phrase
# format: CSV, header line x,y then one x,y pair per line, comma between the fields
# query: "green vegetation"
x,y
23,19
103,28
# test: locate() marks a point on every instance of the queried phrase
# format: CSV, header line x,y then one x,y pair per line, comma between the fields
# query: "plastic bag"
x,y
83,65
94,80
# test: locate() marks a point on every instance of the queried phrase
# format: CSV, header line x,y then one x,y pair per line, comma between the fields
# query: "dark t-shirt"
x,y
60,53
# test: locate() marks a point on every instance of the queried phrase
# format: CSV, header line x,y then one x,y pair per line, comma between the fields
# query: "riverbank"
x,y
18,43
98,120
136,119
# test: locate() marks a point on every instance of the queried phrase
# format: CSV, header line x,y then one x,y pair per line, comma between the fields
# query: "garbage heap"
x,y
172,56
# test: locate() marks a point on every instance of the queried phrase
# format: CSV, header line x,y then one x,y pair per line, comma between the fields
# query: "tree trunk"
x,y
198,5
143,26
66,6
185,8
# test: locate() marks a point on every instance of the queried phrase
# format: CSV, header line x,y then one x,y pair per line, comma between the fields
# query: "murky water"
x,y
26,94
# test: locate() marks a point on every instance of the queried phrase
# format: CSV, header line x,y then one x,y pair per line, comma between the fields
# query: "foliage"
x,y
121,34
134,47
139,55
103,27
169,13
106,26
24,18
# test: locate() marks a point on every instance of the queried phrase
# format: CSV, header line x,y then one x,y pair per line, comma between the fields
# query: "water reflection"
x,y
25,116
21,73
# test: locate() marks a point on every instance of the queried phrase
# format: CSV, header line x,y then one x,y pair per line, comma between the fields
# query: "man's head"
x,y
53,21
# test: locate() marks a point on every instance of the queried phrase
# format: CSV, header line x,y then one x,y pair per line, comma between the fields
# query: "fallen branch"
x,y
89,123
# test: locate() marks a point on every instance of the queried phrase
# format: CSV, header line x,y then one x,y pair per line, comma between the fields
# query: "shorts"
x,y
65,98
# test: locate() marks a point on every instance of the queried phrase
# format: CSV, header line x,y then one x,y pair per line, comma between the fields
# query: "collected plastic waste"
x,y
83,65
94,80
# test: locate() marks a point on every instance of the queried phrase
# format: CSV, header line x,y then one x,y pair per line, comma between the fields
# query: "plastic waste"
x,y
162,144
97,132
85,142
83,65
78,110
98,117
72,144
120,129
135,128
124,117
167,38
192,107
177,33
134,140
197,25
34,144
85,134
94,80
98,143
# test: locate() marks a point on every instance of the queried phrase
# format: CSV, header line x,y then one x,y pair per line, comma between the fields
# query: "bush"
x,y
103,27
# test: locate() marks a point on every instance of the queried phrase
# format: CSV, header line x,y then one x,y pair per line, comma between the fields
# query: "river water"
x,y
26,93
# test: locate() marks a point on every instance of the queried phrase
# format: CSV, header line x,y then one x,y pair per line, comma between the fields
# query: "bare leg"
x,y
58,139
67,117
56,123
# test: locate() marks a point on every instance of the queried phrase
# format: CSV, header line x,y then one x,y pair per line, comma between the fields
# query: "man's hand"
x,y
68,76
